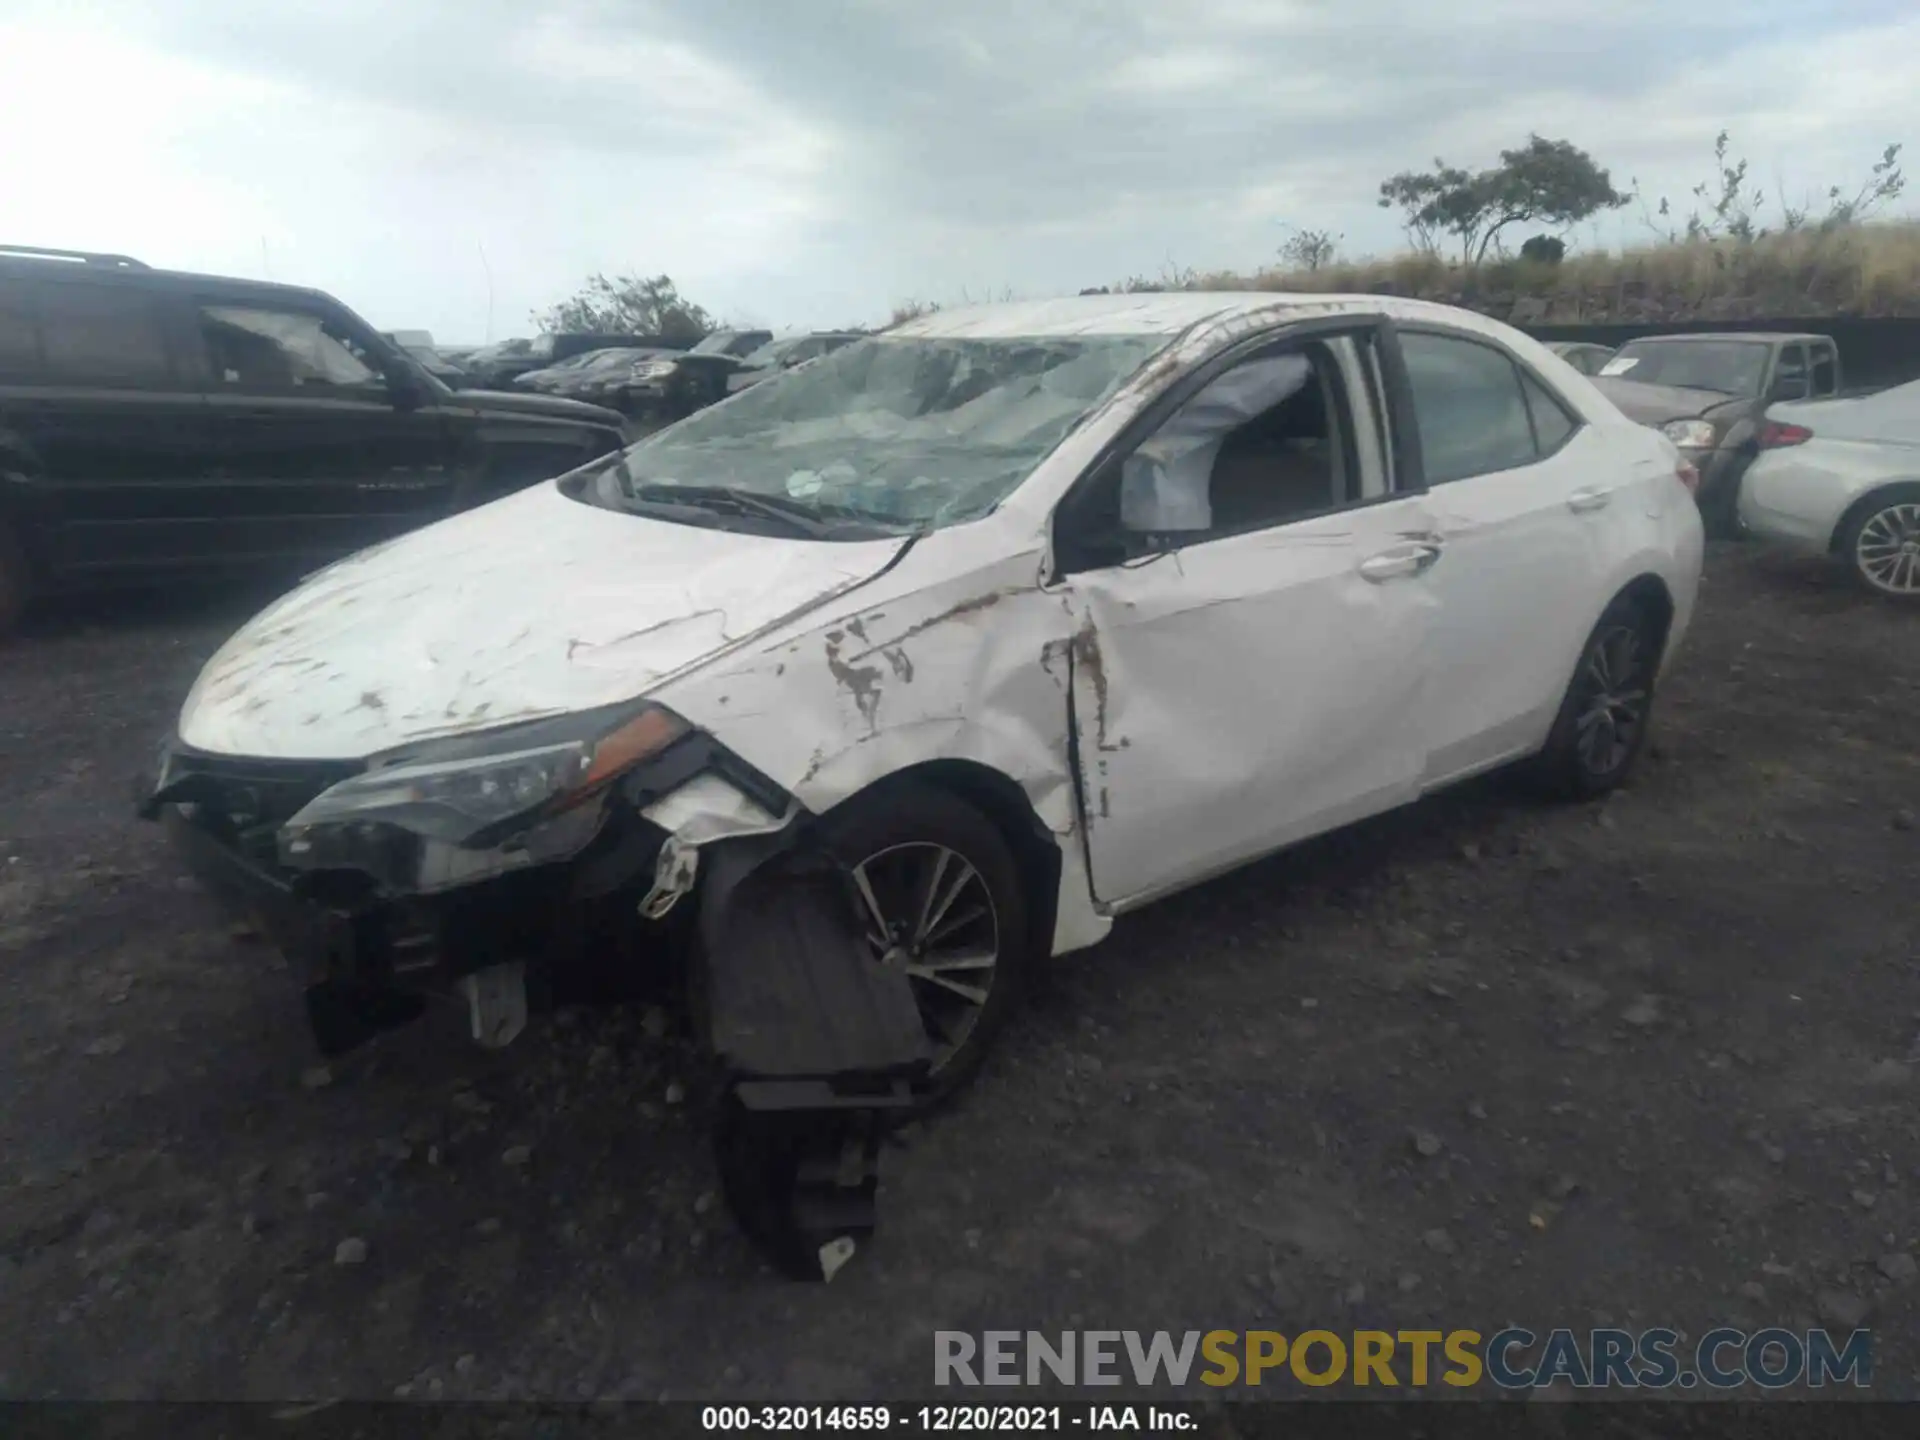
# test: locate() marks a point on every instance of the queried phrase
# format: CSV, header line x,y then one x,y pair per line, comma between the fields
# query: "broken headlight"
x,y
478,791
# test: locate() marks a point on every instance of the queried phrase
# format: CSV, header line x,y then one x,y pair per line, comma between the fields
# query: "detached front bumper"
x,y
323,942
823,1048
417,931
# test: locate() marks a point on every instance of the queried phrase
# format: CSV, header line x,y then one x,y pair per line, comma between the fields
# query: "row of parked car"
x,y
158,424
1787,454
640,376
658,382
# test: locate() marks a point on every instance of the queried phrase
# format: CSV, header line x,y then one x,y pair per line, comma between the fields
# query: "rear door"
x,y
316,456
109,438
1519,489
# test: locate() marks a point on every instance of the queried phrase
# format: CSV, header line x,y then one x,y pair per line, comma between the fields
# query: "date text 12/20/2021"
x,y
942,1419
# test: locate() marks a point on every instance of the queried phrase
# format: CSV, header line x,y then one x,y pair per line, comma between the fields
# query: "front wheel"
x,y
941,900
1881,543
1602,723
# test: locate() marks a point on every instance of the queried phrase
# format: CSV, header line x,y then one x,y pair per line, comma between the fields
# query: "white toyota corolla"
x,y
1004,622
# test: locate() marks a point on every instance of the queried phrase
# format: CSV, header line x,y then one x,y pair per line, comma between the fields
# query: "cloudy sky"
x,y
453,164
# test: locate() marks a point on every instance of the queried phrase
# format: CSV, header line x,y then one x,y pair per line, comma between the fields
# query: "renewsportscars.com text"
x,y
1510,1359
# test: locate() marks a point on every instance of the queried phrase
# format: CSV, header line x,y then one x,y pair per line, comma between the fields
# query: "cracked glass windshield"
x,y
914,432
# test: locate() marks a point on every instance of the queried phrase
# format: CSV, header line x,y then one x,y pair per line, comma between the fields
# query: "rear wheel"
x,y
1602,723
942,901
1881,543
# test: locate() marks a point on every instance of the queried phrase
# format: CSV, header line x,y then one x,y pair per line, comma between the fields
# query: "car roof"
x,y
1769,337
1166,313
32,268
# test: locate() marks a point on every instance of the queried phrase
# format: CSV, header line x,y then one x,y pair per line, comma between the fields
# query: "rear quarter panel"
x,y
1798,495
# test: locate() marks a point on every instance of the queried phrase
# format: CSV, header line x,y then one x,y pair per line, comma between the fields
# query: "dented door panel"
x,y
923,669
1239,695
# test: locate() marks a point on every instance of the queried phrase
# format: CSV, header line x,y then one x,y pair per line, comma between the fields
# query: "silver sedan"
x,y
1842,477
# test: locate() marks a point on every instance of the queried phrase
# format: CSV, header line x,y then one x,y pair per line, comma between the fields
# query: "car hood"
x,y
534,605
1659,404
521,403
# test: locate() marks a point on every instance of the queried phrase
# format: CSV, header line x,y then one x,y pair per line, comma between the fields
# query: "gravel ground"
x,y
1477,1062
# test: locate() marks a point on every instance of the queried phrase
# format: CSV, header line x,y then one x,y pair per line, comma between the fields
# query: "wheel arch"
x,y
1036,849
1650,590
1865,501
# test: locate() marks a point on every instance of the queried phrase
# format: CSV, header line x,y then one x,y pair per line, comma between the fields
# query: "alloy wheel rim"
x,y
928,912
1613,705
1888,549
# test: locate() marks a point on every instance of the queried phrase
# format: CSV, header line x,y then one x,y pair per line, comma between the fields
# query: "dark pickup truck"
x,y
1708,393
159,426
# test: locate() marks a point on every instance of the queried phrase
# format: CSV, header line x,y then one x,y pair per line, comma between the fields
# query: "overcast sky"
x,y
451,165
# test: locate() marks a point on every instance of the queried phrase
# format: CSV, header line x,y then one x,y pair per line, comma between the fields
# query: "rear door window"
x,y
1472,414
1552,425
103,335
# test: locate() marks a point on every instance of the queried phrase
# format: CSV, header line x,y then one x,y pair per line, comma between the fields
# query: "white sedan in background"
x,y
1014,618
1842,478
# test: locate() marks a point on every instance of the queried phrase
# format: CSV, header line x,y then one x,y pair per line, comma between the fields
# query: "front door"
x,y
1252,672
317,459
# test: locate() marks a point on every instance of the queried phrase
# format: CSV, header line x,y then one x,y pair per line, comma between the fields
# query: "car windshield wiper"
x,y
796,515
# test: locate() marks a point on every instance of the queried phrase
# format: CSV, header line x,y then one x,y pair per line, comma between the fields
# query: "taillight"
x,y
1774,435
1688,474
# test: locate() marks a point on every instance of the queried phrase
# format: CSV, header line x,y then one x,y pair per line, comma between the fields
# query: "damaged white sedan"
x,y
888,676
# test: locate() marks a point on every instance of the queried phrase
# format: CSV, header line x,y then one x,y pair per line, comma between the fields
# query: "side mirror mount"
x,y
1087,533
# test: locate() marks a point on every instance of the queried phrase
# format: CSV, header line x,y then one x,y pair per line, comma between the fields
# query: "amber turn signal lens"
x,y
647,734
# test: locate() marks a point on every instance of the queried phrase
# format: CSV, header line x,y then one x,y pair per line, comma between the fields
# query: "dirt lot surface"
x,y
1478,1062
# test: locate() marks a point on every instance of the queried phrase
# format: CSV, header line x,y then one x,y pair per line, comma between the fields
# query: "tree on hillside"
x,y
1728,209
1883,184
1550,182
627,305
1310,250
1544,250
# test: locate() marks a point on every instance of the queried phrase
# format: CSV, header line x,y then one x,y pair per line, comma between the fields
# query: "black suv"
x,y
155,424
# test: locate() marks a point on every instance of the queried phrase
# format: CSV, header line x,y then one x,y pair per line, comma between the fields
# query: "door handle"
x,y
1583,501
1399,562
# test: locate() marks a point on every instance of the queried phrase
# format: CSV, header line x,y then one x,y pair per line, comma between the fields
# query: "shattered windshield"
x,y
920,432
1732,367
